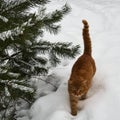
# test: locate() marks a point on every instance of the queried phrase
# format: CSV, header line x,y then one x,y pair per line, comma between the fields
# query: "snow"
x,y
103,101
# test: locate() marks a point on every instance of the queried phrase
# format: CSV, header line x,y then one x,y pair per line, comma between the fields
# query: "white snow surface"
x,y
103,101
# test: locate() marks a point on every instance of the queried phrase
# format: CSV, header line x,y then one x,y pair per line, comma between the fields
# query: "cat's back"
x,y
85,64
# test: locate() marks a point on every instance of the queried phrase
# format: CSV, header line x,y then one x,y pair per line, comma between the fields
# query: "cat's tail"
x,y
86,38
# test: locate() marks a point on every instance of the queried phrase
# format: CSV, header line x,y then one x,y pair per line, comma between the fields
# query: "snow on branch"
x,y
15,32
4,19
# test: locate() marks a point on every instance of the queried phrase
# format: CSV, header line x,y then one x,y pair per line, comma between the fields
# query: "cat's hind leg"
x,y
83,97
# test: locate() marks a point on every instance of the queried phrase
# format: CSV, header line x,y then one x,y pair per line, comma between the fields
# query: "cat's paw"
x,y
74,113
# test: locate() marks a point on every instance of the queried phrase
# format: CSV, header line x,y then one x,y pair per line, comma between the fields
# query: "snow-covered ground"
x,y
103,102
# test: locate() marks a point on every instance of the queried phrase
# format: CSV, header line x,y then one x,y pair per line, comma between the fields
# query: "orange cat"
x,y
82,72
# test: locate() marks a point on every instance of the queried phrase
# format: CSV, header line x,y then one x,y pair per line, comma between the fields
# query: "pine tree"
x,y
22,54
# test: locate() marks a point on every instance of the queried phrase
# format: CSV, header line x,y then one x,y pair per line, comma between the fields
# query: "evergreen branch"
x,y
40,60
11,5
47,82
25,63
27,100
11,33
4,114
65,50
17,5
4,19
10,57
66,9
20,50
54,60
56,16
52,29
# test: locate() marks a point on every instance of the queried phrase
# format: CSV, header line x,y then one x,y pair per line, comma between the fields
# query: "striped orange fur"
x,y
82,72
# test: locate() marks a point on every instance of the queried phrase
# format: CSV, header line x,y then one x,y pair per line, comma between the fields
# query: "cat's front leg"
x,y
73,104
